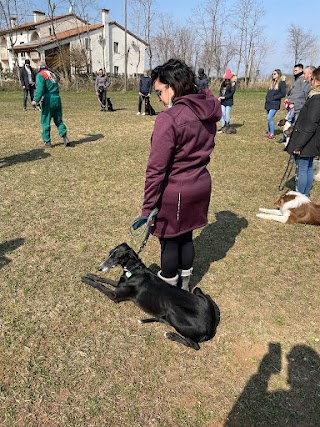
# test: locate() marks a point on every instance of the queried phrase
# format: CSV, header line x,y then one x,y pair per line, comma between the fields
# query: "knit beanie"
x,y
228,75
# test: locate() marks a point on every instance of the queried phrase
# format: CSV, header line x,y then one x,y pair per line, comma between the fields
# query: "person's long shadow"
x,y
214,241
89,138
297,407
29,156
8,246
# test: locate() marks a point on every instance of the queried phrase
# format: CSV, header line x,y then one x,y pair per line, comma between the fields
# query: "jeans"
x,y
305,175
271,114
30,89
226,112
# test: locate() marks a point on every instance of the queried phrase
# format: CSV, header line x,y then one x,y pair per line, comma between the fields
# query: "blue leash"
x,y
143,223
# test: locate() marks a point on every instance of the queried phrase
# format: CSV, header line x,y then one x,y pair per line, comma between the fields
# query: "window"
x,y
115,47
22,54
115,70
87,43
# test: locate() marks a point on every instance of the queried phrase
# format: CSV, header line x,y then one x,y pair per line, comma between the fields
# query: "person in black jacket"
x,y
145,88
304,143
202,80
226,93
27,80
277,91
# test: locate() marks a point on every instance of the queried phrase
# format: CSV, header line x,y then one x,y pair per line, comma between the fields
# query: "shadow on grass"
x,y
29,156
298,406
8,246
214,241
89,138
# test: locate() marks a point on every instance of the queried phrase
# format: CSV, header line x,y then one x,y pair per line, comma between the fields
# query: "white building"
x,y
98,45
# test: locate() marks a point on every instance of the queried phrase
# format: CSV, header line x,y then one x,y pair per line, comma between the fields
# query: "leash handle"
x,y
144,224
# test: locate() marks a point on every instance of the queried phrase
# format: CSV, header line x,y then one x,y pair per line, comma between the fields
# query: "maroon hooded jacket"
x,y
177,180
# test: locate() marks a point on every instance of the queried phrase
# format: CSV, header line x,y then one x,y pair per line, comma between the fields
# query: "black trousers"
x,y
176,253
102,97
146,99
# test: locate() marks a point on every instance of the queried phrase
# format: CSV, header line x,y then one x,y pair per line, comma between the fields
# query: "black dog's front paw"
x,y
89,280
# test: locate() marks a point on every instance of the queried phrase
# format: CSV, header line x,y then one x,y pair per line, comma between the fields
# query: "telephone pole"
x,y
125,47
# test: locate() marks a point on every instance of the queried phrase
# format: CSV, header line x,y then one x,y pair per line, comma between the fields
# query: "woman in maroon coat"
x,y
177,180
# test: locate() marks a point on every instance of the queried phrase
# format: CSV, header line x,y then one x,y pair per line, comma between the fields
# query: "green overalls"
x,y
47,91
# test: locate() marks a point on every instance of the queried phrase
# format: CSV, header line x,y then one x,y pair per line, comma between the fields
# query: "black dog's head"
x,y
120,255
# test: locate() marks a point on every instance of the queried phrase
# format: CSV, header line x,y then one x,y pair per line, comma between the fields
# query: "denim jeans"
x,y
226,113
305,175
271,114
30,89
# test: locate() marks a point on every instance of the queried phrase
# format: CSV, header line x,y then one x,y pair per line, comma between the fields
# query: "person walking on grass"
x,y
276,91
178,182
27,80
47,91
101,84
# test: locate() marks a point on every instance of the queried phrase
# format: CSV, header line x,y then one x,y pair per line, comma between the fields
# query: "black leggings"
x,y
176,253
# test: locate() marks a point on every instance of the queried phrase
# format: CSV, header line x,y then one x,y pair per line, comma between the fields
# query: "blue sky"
x,y
279,16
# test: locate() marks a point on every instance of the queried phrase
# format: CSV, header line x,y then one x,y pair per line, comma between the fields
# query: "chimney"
x,y
13,21
105,16
38,15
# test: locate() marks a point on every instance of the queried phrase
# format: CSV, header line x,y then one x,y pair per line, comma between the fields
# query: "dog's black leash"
x,y
287,172
146,230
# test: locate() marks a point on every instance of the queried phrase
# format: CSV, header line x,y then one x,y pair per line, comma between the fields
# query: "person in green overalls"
x,y
47,91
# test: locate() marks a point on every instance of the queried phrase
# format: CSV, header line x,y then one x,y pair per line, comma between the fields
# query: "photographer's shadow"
x,y
297,407
8,246
214,242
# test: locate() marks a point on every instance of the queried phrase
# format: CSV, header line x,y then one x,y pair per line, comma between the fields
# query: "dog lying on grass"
x,y
195,316
294,207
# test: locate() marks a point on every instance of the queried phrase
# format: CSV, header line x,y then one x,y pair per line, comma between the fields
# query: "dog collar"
x,y
128,273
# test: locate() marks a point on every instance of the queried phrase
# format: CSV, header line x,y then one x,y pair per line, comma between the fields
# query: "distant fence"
x,y
10,81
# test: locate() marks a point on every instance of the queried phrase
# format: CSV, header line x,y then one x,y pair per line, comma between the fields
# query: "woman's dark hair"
x,y
227,84
176,74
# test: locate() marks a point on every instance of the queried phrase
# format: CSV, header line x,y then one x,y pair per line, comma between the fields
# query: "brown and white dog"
x,y
293,207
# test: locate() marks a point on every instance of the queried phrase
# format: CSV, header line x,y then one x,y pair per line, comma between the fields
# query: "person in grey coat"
x,y
304,142
178,182
101,85
298,93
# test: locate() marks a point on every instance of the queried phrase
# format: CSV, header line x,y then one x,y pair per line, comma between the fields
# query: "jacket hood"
x,y
203,104
314,91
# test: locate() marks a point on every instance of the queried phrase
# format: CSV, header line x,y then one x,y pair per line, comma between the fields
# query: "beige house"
x,y
83,47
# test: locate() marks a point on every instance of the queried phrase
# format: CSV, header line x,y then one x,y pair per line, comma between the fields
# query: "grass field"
x,y
69,357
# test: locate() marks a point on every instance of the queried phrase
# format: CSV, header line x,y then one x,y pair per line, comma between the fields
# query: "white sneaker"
x,y
138,114
143,114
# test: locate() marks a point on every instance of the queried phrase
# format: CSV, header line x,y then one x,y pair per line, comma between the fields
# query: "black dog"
x,y
194,315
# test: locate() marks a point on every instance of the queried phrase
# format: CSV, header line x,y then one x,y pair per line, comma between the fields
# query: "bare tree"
x,y
216,47
12,13
301,43
173,41
142,14
247,16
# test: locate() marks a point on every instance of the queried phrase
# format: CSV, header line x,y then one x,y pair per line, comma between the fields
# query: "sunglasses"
x,y
159,92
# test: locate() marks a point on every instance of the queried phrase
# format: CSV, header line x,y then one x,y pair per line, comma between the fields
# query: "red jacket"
x,y
177,179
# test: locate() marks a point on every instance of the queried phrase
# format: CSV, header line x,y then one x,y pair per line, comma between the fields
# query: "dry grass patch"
x,y
69,357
